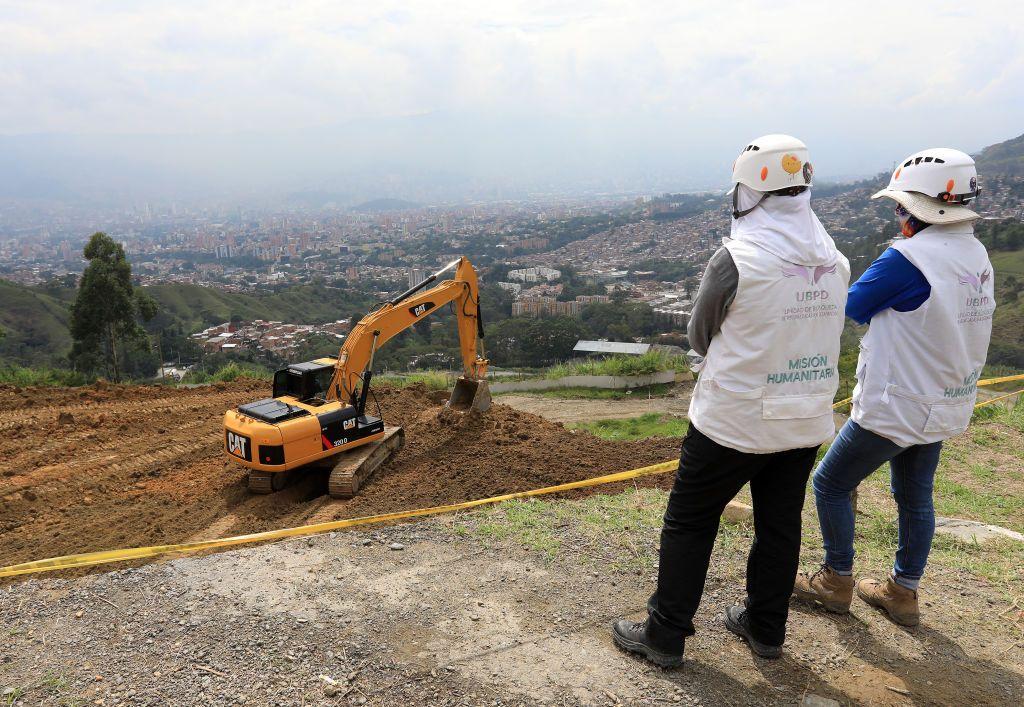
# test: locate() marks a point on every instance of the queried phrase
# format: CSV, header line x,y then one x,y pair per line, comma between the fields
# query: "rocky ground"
x,y
473,610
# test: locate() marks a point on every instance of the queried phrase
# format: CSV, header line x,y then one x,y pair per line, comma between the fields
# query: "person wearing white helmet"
x,y
767,320
929,300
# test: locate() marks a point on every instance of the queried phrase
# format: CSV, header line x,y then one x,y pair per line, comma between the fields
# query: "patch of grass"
x,y
621,365
231,372
11,697
24,377
651,424
528,523
654,391
957,500
434,380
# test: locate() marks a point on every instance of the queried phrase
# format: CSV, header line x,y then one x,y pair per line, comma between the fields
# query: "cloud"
x,y
685,83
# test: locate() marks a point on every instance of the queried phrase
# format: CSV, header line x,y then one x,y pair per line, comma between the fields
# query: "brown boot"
x,y
833,591
898,602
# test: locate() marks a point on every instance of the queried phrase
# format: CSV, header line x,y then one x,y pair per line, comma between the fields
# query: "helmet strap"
x,y
736,213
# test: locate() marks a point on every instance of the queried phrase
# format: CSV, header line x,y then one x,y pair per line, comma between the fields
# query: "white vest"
x,y
917,371
770,375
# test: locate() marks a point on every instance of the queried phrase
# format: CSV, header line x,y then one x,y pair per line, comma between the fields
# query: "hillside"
x,y
1002,158
194,307
35,326
35,320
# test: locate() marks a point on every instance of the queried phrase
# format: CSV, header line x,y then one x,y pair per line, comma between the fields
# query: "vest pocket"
x,y
930,413
752,394
948,417
796,407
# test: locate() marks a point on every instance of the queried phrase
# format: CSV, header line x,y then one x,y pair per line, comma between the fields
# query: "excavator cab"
x,y
307,382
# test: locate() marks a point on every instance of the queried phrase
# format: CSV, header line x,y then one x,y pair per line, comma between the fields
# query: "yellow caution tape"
x,y
987,381
138,553
1004,379
1001,397
87,559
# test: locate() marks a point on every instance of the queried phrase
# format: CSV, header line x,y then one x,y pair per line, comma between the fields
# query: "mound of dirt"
x,y
144,465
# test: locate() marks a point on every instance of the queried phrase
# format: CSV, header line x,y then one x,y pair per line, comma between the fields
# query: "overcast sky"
x,y
642,88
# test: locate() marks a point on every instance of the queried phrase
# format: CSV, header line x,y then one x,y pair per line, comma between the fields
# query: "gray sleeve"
x,y
716,292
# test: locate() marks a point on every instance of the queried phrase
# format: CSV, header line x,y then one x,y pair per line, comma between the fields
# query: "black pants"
x,y
709,476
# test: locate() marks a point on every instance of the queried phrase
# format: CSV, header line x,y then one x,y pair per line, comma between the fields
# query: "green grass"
x,y
620,365
1010,262
434,380
573,393
230,372
24,377
618,530
651,424
621,529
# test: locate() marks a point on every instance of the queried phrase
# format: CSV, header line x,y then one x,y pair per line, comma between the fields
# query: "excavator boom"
x,y
391,318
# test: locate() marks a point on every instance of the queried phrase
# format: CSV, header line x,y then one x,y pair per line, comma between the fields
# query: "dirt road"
x,y
569,410
107,467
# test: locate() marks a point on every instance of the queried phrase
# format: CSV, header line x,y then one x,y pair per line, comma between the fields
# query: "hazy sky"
x,y
640,90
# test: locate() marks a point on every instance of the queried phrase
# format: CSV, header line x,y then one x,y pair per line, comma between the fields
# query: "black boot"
x,y
737,621
633,637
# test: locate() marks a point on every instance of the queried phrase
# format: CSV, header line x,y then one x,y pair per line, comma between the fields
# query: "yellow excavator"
x,y
318,412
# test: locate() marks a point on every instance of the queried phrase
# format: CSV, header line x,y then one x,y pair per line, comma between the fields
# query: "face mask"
x,y
908,224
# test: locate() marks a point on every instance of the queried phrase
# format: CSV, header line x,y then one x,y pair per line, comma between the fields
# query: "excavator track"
x,y
353,469
267,481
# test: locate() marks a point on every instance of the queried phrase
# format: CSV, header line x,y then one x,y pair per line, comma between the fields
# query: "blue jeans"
x,y
854,455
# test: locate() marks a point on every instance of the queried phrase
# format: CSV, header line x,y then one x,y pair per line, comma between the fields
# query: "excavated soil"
x,y
107,466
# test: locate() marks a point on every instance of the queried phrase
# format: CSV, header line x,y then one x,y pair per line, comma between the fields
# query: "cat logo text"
x,y
239,446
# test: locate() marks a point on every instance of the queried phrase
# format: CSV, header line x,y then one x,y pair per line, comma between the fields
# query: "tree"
x,y
107,309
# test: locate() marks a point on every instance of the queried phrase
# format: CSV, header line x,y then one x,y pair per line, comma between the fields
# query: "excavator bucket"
x,y
469,394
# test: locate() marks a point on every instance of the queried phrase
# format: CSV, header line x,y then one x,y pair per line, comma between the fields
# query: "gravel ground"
x,y
435,613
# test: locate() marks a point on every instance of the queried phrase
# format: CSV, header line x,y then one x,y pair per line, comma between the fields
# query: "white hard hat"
x,y
773,162
935,185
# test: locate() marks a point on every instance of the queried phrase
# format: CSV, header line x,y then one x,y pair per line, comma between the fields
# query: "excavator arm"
x,y
355,361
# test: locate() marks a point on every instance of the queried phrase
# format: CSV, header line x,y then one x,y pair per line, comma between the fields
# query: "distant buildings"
x,y
280,338
551,307
535,274
417,275
514,287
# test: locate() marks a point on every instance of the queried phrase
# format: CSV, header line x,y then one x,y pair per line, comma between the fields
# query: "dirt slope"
x,y
119,466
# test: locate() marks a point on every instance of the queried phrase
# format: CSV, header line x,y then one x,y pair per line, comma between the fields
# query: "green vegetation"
x,y
602,530
651,424
1002,158
107,310
35,325
229,372
23,377
621,365
666,269
1008,263
574,393
194,307
434,380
